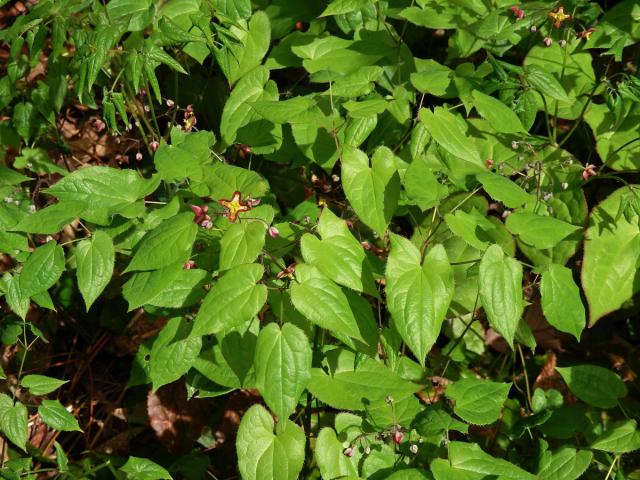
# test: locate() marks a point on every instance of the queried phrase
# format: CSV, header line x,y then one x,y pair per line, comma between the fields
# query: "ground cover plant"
x,y
319,239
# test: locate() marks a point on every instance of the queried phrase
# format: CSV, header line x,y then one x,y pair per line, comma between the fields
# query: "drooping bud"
x,y
189,264
99,125
413,448
518,12
154,145
273,232
547,41
349,451
138,156
397,437
589,171
207,224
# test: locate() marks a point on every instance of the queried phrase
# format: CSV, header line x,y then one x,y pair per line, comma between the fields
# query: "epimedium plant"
x,y
366,212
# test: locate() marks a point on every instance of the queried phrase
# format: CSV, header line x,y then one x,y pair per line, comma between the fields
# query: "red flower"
x,y
518,12
558,16
234,206
201,213
589,171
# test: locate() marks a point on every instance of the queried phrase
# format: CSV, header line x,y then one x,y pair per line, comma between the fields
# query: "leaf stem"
x,y
526,375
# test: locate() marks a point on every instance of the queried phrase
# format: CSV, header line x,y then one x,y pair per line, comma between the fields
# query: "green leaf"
x,y
14,421
611,256
234,300
447,130
283,367
620,437
365,108
51,219
504,190
561,302
364,386
469,457
340,7
10,177
18,302
501,291
372,191
241,243
95,259
418,293
41,384
336,57
173,352
57,417
565,464
223,180
144,287
185,290
421,184
42,269
499,116
37,160
186,158
167,244
233,9
472,227
144,469
410,474
434,78
157,54
616,137
478,401
24,119
255,44
238,111
545,82
263,454
333,463
61,459
594,385
324,303
435,421
537,230
338,255
103,187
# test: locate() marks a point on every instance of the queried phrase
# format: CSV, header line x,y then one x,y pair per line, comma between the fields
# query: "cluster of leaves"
x,y
364,213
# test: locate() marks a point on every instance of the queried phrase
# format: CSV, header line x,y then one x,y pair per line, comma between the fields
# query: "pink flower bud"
x,y
99,125
547,41
348,452
562,43
206,224
489,162
154,145
273,232
534,28
397,437
189,264
335,178
589,171
253,202
138,156
519,13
